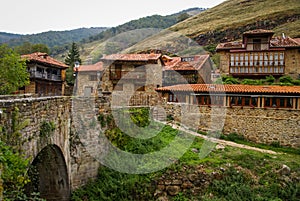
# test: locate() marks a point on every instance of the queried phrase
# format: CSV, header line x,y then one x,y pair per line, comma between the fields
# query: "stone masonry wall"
x,y
255,124
34,111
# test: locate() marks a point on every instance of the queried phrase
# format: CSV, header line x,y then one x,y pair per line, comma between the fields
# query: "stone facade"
x,y
44,124
260,54
260,125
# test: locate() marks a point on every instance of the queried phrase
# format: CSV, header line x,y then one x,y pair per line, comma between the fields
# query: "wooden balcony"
x,y
128,75
257,70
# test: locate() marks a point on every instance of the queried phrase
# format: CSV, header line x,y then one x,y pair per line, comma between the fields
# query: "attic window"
x,y
257,44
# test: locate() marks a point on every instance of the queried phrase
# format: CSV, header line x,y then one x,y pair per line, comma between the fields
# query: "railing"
x,y
47,76
263,70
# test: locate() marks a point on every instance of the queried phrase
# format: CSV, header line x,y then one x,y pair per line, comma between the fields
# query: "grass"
x,y
230,15
243,174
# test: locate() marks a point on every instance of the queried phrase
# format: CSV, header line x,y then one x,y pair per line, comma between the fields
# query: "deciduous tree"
x,y
13,71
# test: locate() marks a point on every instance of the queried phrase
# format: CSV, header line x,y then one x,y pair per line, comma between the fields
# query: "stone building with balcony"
x,y
187,70
259,54
132,78
47,75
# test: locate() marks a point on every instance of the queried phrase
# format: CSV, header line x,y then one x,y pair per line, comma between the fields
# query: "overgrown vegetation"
x,y
269,80
243,174
14,77
13,164
47,128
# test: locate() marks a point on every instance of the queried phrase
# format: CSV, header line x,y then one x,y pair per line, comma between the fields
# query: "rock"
x,y
192,177
176,182
187,185
285,170
163,198
168,182
173,190
195,150
220,147
161,187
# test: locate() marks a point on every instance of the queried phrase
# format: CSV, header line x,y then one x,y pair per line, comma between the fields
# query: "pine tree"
x,y
73,56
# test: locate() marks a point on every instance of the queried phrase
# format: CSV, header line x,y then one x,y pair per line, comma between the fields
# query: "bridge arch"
x,y
49,175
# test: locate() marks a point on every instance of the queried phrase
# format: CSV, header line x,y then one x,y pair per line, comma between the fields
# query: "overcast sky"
x,y
36,16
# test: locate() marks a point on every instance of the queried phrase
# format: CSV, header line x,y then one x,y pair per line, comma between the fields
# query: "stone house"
x,y
259,54
47,75
132,77
239,96
88,79
187,70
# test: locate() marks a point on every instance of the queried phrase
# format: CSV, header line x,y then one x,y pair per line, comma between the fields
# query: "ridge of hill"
x,y
51,38
226,22
153,21
5,37
118,38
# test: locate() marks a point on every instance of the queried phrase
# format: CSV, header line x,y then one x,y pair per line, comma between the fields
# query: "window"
x,y
172,98
93,77
256,44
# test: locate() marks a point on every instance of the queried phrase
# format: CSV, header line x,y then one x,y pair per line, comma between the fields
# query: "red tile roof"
x,y
284,42
171,61
44,58
258,31
94,67
131,57
275,42
217,88
196,64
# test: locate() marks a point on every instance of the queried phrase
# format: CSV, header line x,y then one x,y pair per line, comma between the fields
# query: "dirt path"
x,y
222,142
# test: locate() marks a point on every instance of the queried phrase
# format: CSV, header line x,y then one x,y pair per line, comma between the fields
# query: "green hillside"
x,y
4,37
56,38
126,35
227,22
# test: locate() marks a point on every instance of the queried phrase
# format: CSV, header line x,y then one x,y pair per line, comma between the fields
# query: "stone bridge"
x,y
59,162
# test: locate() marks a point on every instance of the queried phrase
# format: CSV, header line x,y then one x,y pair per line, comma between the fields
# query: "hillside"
x,y
4,37
123,36
55,38
227,21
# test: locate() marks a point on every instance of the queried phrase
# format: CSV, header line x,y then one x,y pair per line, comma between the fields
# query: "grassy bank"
x,y
230,173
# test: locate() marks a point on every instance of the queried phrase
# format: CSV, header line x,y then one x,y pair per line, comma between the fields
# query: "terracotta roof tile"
x,y
94,67
172,61
284,42
258,31
253,89
196,64
230,45
131,57
45,59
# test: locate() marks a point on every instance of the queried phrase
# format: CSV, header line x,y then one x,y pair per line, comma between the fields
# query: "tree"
x,y
73,56
28,48
13,71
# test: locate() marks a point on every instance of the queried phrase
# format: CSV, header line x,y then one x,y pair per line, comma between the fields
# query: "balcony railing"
x,y
262,70
46,76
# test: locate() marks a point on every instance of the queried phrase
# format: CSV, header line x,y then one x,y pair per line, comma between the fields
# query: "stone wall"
x,y
85,147
32,112
33,125
259,125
